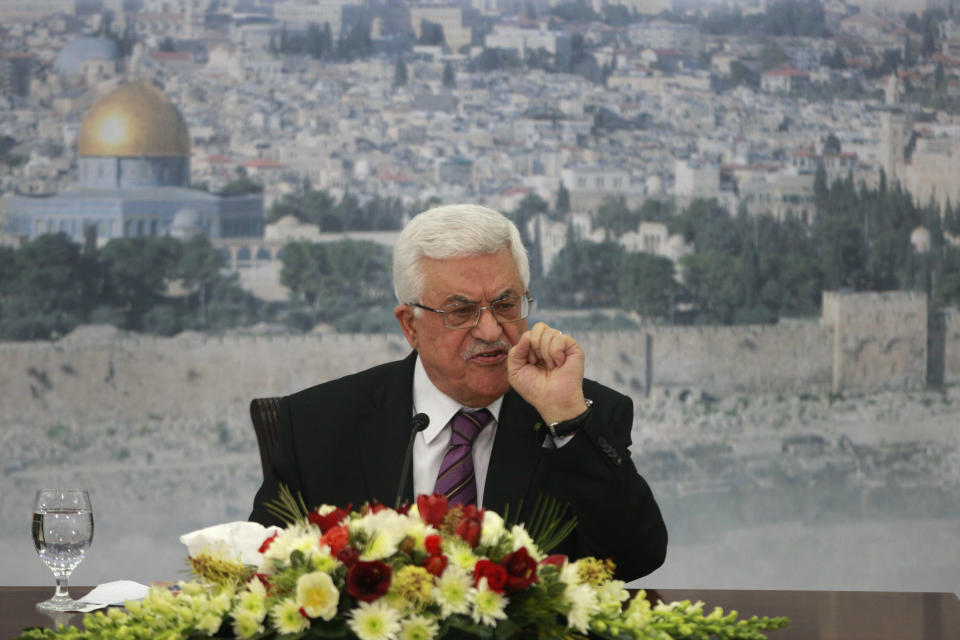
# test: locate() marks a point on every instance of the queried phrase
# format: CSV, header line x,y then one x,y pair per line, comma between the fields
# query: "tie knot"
x,y
467,425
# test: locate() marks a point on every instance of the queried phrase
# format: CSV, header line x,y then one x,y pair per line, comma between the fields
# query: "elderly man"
x,y
510,414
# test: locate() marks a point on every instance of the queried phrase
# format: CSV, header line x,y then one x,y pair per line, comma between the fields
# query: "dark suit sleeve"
x,y
617,515
284,470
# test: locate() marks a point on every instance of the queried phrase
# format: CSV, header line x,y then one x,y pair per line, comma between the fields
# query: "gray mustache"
x,y
480,347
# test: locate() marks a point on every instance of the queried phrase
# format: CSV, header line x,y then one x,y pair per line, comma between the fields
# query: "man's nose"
x,y
488,327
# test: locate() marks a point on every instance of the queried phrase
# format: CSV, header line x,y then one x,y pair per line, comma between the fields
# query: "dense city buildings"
x,y
421,102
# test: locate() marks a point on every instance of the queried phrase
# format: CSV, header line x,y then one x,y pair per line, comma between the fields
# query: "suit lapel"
x,y
383,436
516,452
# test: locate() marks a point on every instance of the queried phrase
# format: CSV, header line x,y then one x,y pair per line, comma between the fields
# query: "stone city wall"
x,y
864,342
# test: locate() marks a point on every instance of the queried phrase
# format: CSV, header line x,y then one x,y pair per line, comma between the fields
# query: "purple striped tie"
x,y
456,479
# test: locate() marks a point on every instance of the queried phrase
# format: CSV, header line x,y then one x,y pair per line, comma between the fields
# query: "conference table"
x,y
814,615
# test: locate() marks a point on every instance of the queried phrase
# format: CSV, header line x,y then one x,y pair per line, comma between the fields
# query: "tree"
x,y
43,287
584,275
400,73
431,33
647,285
563,200
337,278
136,272
449,80
831,144
615,217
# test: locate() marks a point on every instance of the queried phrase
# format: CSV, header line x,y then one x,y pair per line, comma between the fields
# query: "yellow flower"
x,y
413,586
594,571
317,594
287,617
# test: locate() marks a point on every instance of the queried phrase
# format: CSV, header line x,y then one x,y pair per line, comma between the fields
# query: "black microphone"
x,y
418,424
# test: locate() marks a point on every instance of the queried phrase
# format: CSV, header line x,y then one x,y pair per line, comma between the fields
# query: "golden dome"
x,y
133,120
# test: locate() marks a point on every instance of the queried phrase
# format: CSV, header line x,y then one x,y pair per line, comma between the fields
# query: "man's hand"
x,y
546,368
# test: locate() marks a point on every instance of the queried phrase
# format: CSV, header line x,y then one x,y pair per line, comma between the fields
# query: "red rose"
x,y
556,559
470,525
521,570
495,574
336,538
266,543
435,565
403,509
330,520
368,581
433,508
432,543
348,556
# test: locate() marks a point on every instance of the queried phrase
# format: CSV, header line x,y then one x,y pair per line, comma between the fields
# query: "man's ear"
x,y
408,323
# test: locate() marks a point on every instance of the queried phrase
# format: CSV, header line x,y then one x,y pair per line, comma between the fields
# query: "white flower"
x,y
208,623
522,539
492,528
452,591
385,530
325,509
287,617
317,594
375,621
583,602
246,624
488,605
302,537
418,628
253,601
611,595
570,574
461,554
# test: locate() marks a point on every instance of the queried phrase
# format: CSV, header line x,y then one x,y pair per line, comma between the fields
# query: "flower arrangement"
x,y
422,572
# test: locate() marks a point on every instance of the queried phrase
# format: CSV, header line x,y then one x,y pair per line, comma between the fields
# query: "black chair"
x,y
265,414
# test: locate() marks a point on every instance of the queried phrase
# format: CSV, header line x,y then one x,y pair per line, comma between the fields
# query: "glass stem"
x,y
62,586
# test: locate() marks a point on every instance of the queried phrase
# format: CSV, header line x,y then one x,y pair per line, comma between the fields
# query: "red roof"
x,y
218,159
262,163
171,56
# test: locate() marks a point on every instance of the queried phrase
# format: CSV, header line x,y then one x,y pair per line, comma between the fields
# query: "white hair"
x,y
452,231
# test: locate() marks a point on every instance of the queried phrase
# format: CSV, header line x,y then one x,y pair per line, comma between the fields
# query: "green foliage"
x,y
400,76
576,11
321,209
153,284
584,275
336,279
449,80
615,218
647,284
240,186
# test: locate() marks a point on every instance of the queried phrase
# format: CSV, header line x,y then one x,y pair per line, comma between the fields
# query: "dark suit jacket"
x,y
343,442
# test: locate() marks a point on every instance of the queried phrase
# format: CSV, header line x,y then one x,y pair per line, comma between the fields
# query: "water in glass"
x,y
62,532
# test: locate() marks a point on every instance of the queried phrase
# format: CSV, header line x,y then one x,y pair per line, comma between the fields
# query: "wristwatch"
x,y
564,428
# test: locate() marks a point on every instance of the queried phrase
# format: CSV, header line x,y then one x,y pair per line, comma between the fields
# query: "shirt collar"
x,y
436,404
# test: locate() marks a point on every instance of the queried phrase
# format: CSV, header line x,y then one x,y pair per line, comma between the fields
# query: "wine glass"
x,y
62,532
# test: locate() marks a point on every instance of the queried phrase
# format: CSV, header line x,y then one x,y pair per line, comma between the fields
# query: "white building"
x,y
695,179
661,35
520,40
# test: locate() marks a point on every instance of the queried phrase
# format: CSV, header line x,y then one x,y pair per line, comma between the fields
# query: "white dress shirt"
x,y
431,443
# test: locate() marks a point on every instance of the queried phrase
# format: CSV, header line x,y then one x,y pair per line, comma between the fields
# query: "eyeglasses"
x,y
466,315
